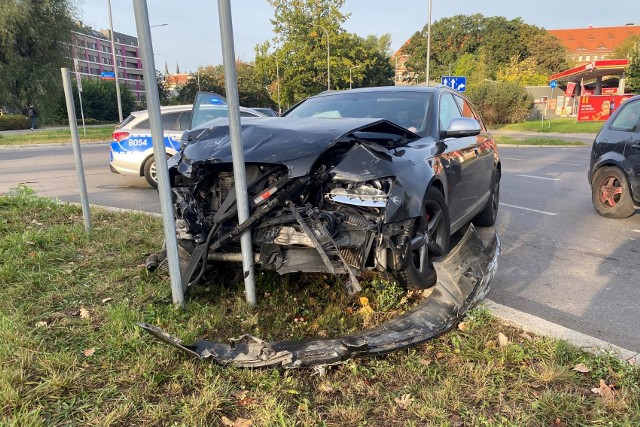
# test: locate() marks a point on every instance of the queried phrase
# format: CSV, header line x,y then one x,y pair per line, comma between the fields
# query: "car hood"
x,y
294,142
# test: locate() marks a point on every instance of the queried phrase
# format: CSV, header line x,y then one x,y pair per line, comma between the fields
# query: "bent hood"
x,y
294,142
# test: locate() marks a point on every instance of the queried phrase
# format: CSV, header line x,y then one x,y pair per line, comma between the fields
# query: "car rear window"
x,y
629,117
126,121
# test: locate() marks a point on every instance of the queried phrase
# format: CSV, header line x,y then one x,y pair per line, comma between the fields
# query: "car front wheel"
x,y
429,241
610,193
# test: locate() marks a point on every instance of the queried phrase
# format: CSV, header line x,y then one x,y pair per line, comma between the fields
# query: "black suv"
x,y
614,173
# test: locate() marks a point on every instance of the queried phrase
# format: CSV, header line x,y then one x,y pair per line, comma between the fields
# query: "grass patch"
x,y
70,353
94,133
563,125
502,139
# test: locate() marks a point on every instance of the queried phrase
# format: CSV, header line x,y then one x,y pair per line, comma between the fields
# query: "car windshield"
x,y
404,108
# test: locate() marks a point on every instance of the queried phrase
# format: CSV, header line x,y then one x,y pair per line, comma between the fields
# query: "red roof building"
x,y
594,44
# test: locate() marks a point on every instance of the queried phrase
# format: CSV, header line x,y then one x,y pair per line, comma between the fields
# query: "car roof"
x,y
165,109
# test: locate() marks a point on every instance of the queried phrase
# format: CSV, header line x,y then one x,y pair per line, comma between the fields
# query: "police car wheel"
x,y
150,172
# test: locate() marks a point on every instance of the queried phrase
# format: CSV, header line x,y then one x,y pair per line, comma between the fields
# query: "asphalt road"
x,y
560,260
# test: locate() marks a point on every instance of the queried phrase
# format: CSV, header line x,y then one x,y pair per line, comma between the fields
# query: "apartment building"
x,y
585,45
92,49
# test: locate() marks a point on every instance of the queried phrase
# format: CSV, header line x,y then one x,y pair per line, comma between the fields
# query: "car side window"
x,y
185,120
169,121
448,111
628,118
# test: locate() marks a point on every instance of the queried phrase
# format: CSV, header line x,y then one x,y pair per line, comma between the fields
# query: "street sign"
x,y
78,78
553,84
458,83
108,75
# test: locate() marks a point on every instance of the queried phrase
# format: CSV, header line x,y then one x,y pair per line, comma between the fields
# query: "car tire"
x,y
487,217
150,172
429,241
610,193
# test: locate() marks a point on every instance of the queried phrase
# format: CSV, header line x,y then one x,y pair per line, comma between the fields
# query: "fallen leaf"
x,y
490,344
558,423
605,391
404,401
325,388
502,339
241,394
632,361
41,324
439,355
424,362
89,352
366,311
582,368
456,420
106,300
526,336
242,422
246,401
84,313
463,326
226,421
364,301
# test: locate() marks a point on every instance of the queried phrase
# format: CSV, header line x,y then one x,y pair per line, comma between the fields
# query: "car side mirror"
x,y
461,127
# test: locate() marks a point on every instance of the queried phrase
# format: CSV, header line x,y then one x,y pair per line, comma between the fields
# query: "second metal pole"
x,y
237,151
75,141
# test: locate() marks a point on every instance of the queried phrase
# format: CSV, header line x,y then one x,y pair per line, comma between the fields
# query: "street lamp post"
x,y
278,83
428,43
115,63
355,66
328,56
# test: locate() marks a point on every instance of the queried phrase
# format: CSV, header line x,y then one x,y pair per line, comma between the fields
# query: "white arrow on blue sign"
x,y
553,84
458,83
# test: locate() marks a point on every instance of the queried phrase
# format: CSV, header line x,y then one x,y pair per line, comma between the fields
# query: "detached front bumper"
x,y
464,278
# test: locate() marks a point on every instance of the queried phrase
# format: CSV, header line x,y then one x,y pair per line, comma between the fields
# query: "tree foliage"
x,y
630,49
251,88
32,51
458,41
296,59
501,102
99,101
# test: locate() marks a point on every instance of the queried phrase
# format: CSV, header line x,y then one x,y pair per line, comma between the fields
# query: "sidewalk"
x,y
586,138
45,129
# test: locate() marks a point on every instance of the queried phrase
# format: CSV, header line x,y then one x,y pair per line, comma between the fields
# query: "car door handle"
x,y
636,145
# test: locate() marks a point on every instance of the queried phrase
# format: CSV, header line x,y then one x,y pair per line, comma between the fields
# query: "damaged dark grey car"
x,y
376,178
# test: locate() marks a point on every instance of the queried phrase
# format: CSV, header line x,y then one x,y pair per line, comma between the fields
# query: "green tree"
x,y
492,40
630,49
32,51
525,72
303,28
99,101
251,88
501,102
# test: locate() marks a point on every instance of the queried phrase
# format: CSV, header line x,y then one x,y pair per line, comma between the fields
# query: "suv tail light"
x,y
119,135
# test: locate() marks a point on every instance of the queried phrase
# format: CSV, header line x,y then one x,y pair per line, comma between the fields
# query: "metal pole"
x,y
75,141
428,43
159,153
351,68
278,83
328,62
237,152
115,63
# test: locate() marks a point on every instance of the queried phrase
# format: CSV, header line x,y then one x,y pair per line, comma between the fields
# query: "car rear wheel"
x,y
487,217
429,242
610,193
150,171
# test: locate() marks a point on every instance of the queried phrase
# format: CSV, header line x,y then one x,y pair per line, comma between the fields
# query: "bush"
x,y
501,102
14,122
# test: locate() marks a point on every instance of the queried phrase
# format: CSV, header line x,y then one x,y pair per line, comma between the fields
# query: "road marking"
x,y
510,158
528,209
563,163
541,177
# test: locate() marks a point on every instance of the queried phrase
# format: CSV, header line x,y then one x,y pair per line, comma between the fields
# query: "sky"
x,y
191,37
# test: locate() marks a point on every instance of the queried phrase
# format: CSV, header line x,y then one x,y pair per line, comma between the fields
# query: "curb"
x,y
538,326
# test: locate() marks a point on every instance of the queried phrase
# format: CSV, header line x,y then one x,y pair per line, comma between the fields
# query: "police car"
x,y
132,147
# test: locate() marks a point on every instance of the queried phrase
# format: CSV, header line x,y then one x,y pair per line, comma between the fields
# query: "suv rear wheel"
x,y
610,193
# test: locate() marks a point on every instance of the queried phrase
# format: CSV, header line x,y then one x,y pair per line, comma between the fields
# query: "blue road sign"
x,y
553,84
458,83
108,75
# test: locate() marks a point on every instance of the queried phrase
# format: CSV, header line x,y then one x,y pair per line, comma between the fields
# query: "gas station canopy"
x,y
592,70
